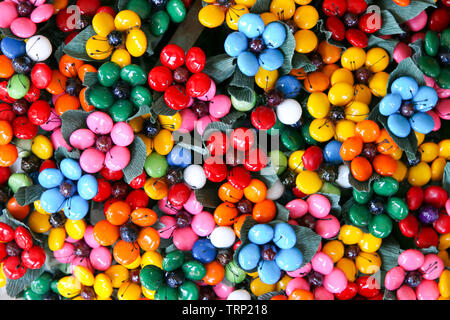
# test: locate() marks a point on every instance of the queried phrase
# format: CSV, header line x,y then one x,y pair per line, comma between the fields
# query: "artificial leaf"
x,y
27,195
288,50
282,213
300,60
389,295
241,87
138,152
159,107
14,287
389,252
403,14
76,48
261,6
143,110
389,24
407,67
307,241
417,48
232,117
72,120
208,195
270,295
446,178
220,67
62,153
90,79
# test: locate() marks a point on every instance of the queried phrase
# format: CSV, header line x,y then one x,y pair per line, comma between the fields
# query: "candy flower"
x,y
23,16
256,45
63,193
407,105
114,34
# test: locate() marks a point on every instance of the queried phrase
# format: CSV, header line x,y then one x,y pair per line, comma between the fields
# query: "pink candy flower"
x,y
22,16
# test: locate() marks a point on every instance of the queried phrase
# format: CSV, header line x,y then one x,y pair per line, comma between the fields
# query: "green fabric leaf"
x,y
138,153
208,196
160,107
15,287
389,295
300,60
77,47
90,79
270,295
389,252
232,117
121,5
152,41
288,49
268,175
389,24
62,153
143,110
417,47
387,44
261,6
72,120
307,241
407,67
6,32
220,67
403,14
408,144
282,213
241,87
27,195
446,178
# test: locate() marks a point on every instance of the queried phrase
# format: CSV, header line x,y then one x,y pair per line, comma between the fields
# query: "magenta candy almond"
x,y
295,284
418,23
405,292
411,259
169,227
82,139
401,52
42,13
9,14
427,290
327,227
117,158
432,267
167,207
184,238
23,27
300,272
297,208
394,278
92,160
322,263
220,106
59,141
203,224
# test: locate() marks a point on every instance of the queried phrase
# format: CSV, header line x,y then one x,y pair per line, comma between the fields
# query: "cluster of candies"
x,y
174,77
18,253
415,276
428,219
347,19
